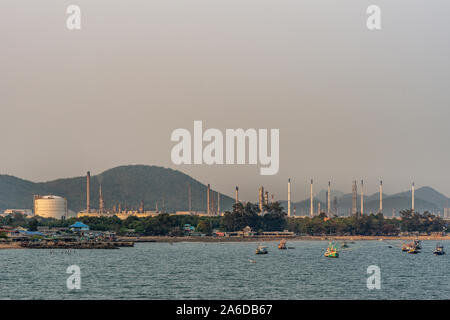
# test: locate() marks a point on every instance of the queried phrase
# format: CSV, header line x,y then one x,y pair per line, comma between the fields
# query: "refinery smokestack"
x,y
381,196
100,200
328,198
88,192
237,194
311,204
362,197
189,198
355,192
218,203
207,199
412,197
289,197
261,197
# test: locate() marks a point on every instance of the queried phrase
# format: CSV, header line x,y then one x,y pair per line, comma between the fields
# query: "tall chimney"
x,y
218,203
260,198
208,190
328,198
88,192
289,197
412,197
189,198
213,207
354,195
381,196
362,197
311,204
100,201
237,194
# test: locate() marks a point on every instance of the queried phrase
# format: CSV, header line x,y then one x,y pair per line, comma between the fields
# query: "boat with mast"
x,y
439,250
332,251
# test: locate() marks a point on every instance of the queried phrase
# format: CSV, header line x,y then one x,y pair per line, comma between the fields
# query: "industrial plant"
x,y
54,206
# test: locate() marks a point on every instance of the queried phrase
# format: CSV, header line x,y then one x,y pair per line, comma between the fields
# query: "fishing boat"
x,y
282,245
332,251
405,247
439,250
261,250
418,243
414,249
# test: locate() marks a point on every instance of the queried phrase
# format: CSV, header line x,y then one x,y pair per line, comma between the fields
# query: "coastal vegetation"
x,y
243,215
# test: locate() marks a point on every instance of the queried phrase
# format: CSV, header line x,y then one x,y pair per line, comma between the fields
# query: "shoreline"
x,y
10,245
210,239
273,239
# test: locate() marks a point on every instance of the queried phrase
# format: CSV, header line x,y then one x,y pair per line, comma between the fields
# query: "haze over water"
x,y
223,271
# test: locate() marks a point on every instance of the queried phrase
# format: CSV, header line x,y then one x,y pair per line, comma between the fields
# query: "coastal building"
x,y
79,226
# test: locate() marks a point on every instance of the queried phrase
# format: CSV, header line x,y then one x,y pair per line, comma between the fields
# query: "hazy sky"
x,y
350,103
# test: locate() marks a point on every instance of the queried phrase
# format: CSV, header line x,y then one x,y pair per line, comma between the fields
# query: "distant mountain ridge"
x,y
127,185
130,184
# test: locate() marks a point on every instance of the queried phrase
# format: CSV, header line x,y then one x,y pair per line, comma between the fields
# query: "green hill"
x,y
127,185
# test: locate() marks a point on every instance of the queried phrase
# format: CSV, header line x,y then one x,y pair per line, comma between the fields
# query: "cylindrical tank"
x,y
50,207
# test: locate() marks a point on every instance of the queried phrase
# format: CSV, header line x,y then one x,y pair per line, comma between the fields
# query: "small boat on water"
x,y
282,245
439,250
332,251
344,244
418,244
261,250
414,249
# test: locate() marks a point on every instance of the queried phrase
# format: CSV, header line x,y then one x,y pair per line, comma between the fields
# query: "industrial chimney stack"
x,y
289,197
218,203
354,195
101,204
261,198
237,194
412,197
88,192
208,194
189,198
328,198
311,204
362,197
381,196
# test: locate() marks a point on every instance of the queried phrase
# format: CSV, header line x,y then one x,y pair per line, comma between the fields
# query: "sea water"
x,y
188,270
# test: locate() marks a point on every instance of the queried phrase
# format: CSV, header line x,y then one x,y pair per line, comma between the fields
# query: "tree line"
x,y
272,218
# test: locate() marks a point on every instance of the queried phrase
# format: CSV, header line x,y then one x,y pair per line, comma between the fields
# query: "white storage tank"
x,y
50,207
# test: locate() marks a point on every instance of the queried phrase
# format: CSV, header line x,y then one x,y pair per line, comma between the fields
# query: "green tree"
x,y
33,224
204,226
